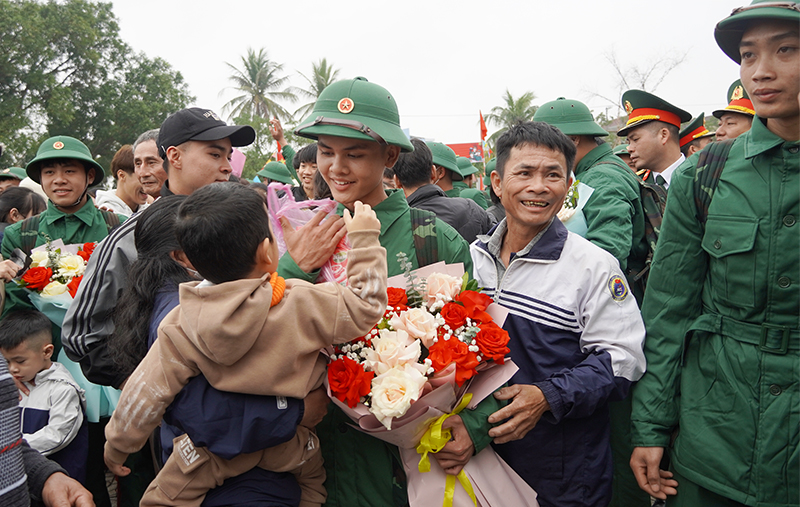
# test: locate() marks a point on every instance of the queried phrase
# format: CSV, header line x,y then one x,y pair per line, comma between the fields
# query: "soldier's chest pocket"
x,y
730,243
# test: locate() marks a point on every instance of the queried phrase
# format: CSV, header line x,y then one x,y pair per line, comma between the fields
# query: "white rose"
x,y
565,214
71,266
390,349
393,392
39,259
54,289
418,323
441,287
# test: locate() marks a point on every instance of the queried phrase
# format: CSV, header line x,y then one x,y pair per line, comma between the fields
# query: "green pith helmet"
x,y
695,129
643,107
276,171
443,155
17,173
729,31
621,149
738,101
465,167
356,109
63,147
491,165
571,117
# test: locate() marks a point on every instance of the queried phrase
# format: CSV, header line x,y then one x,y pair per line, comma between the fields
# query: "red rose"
x,y
444,352
454,315
72,286
348,381
37,278
476,303
492,340
86,251
397,298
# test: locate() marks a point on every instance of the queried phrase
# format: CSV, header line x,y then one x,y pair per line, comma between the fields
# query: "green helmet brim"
x,y
34,167
729,31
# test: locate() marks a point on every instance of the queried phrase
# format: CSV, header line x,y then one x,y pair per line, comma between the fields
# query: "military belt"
x,y
769,338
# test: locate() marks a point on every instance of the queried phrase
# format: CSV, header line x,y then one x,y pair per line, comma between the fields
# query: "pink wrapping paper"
x,y
494,482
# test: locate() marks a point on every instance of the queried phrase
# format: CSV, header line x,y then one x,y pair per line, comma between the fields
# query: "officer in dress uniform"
x,y
735,118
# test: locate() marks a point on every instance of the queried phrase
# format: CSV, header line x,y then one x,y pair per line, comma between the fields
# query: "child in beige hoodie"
x,y
248,331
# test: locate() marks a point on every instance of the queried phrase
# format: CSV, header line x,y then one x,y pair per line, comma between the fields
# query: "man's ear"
x,y
90,175
496,184
392,154
179,256
397,183
663,135
47,350
174,157
434,175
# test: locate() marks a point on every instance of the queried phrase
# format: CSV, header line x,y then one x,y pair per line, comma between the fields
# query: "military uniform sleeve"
x,y
16,296
672,301
288,157
609,215
452,247
477,421
63,424
288,268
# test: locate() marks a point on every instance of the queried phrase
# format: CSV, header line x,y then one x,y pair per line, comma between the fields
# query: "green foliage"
x,y
514,111
65,71
260,86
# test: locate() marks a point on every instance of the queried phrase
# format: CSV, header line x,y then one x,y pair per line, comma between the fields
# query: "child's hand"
x,y
363,219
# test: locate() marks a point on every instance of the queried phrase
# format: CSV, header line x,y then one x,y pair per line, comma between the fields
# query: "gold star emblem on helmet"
x,y
737,94
628,107
346,105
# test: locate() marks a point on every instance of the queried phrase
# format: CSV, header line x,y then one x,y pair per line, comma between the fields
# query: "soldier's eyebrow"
x,y
792,34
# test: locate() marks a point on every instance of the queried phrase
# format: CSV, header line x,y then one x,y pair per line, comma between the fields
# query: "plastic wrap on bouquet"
x,y
494,482
55,307
574,219
100,400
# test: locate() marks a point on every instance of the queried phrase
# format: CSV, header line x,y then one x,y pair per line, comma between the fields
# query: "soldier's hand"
x,y
316,406
526,408
645,463
456,454
363,219
313,244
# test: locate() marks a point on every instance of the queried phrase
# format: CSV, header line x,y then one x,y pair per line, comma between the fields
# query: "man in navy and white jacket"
x,y
576,332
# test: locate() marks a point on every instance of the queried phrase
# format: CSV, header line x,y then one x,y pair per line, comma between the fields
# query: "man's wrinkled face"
x,y
732,125
533,187
770,69
149,168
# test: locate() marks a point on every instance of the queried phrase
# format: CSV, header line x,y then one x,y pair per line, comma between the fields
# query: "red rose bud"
x,y
348,381
73,285
454,315
397,298
37,278
444,352
492,340
86,251
476,303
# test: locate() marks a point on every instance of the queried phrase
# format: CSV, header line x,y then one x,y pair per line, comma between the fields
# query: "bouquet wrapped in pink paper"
x,y
439,349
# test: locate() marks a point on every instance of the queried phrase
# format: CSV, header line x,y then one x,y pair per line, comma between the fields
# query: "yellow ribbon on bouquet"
x,y
434,440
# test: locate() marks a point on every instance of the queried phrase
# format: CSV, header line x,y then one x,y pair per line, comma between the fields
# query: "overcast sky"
x,y
444,61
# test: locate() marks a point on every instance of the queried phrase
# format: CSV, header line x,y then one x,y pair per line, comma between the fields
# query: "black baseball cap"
x,y
197,124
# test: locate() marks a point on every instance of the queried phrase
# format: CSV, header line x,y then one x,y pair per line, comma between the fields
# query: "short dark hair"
x,y
538,134
685,147
306,155
674,132
23,325
321,188
414,169
220,227
24,199
123,160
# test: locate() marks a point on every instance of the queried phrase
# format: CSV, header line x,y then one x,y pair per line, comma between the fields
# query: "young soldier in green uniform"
x,y
695,136
721,307
736,118
275,171
446,166
357,127
615,222
652,130
464,186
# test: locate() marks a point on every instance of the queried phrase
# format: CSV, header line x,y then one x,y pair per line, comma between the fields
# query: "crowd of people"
x,y
656,327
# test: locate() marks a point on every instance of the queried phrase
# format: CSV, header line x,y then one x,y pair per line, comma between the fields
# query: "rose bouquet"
x,y
571,213
438,349
54,276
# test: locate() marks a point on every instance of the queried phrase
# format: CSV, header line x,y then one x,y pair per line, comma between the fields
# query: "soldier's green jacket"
x,y
613,213
460,189
361,470
721,312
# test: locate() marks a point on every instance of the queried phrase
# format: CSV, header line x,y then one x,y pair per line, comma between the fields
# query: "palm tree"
x,y
322,75
261,86
513,112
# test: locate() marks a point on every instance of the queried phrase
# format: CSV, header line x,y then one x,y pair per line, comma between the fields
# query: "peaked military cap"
x,y
695,129
738,101
643,107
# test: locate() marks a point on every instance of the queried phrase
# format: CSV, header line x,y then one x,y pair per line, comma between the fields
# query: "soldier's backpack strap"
x,y
654,200
423,229
112,219
707,174
28,232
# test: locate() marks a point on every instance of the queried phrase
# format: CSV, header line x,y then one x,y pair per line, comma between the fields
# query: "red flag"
x,y
483,127
279,153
